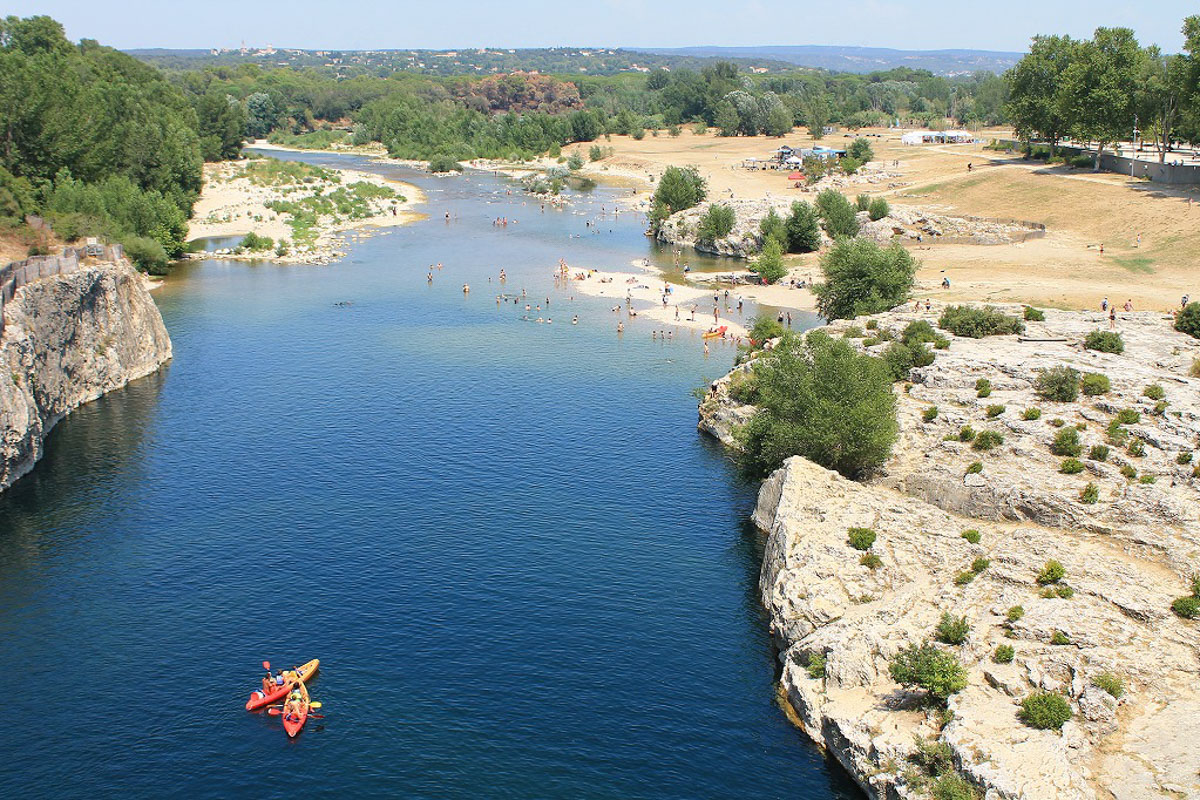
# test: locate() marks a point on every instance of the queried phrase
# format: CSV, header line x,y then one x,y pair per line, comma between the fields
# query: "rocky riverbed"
x,y
1127,555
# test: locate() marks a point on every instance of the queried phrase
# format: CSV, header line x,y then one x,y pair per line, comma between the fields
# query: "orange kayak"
x,y
295,714
291,677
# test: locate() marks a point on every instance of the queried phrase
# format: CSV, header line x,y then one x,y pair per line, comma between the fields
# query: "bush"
x,y
146,254
1099,452
1090,495
934,757
952,629
878,209
1058,384
918,332
716,223
1104,342
575,162
1057,423
930,414
1188,320
971,535
1052,572
1137,448
860,150
1015,613
863,278
1032,414
935,671
983,387
444,164
823,400
1154,392
1034,315
1066,443
977,323
1109,683
1182,458
1093,383
1160,408
871,561
1128,471
1128,416
1071,466
853,332
816,666
861,538
252,242
862,202
987,440
966,434
1187,607
952,786
1060,639
975,467
837,214
769,264
980,564
1045,711
802,230
1060,590
901,359
994,411
1004,654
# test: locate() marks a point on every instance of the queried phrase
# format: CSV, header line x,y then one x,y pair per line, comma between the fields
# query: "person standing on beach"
x,y
1112,318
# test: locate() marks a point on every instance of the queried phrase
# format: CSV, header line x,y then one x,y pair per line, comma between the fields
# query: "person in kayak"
x,y
292,707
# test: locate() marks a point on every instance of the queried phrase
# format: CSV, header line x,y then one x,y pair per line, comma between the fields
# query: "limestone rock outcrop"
x,y
1127,556
68,340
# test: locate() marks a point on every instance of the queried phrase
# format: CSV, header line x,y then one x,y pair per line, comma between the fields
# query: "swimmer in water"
x,y
575,320
466,288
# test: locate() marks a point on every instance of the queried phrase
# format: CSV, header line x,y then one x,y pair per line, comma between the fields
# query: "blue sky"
x,y
362,24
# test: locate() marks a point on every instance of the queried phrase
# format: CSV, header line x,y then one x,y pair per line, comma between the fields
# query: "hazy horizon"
x,y
462,24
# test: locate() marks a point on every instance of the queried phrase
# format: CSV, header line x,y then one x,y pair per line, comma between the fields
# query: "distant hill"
x,y
858,59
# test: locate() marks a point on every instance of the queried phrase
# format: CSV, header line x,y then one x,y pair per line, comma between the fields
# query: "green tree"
x,y
860,150
863,278
769,265
779,121
679,188
823,400
222,126
772,226
937,672
803,229
715,223
1101,84
1036,99
837,213
726,118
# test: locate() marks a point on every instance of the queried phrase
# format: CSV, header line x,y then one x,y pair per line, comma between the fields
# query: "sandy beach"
x,y
231,204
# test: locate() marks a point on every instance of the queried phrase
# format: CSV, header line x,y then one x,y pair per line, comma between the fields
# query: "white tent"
x,y
913,137
793,160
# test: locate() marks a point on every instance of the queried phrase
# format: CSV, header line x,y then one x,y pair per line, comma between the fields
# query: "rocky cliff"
x,y
67,340
1108,642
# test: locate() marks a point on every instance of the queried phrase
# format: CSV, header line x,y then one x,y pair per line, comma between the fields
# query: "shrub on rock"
x,y
1104,342
1066,443
977,323
926,667
1188,320
1093,383
1004,654
952,629
1058,384
1045,711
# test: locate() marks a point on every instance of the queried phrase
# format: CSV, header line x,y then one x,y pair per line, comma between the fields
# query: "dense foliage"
x,y
863,278
95,140
1045,711
1188,320
821,399
838,215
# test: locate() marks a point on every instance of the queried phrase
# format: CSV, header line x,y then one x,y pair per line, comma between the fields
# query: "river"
x,y
524,571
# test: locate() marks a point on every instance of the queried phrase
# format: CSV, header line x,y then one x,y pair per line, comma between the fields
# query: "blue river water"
x,y
524,571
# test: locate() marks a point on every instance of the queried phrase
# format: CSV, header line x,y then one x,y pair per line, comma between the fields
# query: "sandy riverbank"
x,y
1149,231
235,203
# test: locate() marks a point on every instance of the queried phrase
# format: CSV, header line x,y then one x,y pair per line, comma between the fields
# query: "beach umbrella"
x,y
796,176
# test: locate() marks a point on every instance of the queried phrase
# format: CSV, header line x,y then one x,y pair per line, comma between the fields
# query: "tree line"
x,y
1100,89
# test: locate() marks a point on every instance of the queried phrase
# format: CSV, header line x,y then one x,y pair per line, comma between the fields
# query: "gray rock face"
x,y
1127,556
67,341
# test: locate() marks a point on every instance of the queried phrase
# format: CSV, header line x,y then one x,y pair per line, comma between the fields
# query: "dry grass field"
x,y
1082,211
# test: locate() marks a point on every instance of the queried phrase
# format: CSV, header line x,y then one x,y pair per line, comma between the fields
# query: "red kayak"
x,y
291,678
